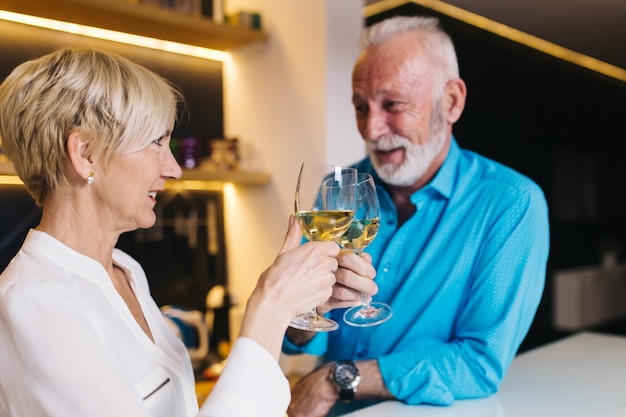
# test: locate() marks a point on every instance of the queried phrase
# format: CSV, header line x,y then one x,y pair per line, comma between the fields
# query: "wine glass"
x,y
324,204
362,231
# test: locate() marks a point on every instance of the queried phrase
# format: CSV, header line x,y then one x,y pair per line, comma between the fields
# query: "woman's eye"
x,y
158,141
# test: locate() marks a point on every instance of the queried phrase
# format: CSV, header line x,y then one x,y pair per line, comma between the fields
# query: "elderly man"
x,y
461,252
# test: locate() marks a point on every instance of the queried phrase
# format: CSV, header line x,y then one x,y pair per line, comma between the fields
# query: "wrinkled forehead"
x,y
403,52
381,69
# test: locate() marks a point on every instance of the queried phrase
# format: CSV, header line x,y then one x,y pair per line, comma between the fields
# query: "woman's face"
x,y
131,182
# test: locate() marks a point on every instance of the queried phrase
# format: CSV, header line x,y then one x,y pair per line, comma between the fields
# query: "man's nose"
x,y
375,125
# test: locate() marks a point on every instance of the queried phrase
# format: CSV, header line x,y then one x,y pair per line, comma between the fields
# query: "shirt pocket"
x,y
158,393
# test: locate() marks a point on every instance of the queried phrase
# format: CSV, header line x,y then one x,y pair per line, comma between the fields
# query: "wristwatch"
x,y
346,377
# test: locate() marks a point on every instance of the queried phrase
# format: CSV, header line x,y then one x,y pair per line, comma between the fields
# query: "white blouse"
x,y
69,346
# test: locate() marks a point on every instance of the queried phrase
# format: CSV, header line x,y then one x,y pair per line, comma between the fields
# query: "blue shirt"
x,y
464,276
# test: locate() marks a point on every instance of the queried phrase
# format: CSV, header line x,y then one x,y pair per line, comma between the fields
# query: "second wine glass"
x,y
324,205
363,229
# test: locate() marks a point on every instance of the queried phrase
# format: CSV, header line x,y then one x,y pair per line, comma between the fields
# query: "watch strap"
x,y
346,395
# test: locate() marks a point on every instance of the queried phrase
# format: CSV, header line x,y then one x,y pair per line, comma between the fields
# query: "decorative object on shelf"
x,y
189,152
225,154
247,20
210,155
193,7
214,10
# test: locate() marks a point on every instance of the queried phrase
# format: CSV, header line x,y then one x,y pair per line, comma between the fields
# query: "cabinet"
x,y
139,19
131,17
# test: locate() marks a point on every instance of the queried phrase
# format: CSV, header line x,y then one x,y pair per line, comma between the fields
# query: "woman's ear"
x,y
77,149
455,93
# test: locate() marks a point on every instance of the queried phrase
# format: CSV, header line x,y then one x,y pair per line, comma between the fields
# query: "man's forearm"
x,y
299,337
372,386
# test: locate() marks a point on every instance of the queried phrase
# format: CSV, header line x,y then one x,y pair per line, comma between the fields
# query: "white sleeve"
x,y
251,385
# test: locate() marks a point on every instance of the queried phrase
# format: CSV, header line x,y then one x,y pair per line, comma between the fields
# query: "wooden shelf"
x,y
251,178
246,178
139,19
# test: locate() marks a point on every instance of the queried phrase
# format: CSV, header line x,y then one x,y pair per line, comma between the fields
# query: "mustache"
x,y
388,143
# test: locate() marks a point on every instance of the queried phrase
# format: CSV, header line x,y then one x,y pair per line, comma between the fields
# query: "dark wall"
x,y
18,214
558,123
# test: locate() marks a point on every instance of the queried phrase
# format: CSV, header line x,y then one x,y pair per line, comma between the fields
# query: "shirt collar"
x,y
443,182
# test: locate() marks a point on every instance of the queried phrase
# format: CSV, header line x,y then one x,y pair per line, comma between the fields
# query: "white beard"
x,y
417,157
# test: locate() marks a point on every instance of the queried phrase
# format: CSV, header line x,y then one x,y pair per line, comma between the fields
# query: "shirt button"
x,y
386,268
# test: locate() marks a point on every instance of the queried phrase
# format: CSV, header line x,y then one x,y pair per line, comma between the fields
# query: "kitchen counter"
x,y
580,376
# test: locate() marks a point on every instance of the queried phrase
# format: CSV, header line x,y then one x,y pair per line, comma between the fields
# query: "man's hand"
x,y
354,275
314,395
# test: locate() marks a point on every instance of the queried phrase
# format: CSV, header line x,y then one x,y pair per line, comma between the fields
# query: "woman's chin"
x,y
147,222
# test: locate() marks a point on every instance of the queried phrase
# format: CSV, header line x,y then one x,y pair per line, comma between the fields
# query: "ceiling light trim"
x,y
505,31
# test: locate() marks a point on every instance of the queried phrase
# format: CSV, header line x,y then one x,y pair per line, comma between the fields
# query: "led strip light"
x,y
121,37
508,33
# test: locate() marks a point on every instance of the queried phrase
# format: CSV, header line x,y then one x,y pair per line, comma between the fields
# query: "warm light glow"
x,y
229,190
508,33
111,35
10,180
230,202
198,185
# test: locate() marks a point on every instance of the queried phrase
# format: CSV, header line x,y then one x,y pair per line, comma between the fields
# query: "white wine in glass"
x,y
324,205
362,231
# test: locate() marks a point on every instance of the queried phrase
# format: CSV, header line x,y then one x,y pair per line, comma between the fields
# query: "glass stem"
x,y
311,315
365,300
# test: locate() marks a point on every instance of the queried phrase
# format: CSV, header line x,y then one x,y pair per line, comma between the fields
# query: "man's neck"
x,y
401,195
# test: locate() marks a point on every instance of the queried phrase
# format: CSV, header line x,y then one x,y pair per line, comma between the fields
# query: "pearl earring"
x,y
90,178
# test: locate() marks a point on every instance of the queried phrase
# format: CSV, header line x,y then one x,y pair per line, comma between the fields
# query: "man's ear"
x,y
455,93
77,149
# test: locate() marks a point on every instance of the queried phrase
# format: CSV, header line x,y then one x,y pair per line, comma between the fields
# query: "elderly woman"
x,y
88,133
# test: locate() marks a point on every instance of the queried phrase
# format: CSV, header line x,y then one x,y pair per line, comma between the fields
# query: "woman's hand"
x,y
300,278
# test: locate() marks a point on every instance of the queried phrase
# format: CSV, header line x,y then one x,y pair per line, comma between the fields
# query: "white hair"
x,y
435,40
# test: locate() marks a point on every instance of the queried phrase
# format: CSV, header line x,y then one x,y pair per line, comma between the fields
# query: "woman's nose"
x,y
171,169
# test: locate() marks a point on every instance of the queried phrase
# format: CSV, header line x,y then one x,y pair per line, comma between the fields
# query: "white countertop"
x,y
581,376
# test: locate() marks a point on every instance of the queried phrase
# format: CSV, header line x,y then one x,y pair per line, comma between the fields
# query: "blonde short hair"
x,y
117,105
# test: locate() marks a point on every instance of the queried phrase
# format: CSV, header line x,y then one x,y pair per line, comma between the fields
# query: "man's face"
x,y
399,110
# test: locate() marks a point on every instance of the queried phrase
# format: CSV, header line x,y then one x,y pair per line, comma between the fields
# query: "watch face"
x,y
347,375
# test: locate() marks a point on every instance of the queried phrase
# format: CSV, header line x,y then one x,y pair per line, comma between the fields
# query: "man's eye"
x,y
360,108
